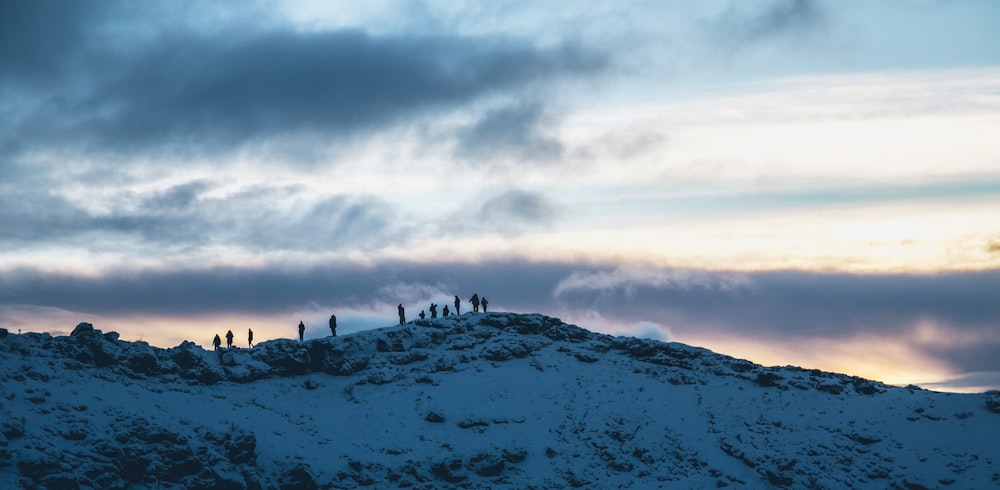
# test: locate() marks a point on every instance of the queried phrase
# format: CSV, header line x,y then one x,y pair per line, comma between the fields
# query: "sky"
x,y
793,182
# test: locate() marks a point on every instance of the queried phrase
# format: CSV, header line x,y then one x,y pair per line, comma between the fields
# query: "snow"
x,y
494,400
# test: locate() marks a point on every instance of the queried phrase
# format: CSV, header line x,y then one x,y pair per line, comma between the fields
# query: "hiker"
x,y
457,302
402,316
229,339
444,312
333,325
475,302
216,342
250,337
302,330
484,303
434,310
421,315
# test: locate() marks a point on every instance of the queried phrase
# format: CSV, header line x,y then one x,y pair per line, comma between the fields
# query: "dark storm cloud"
x,y
36,37
277,289
783,305
197,90
517,132
771,306
187,215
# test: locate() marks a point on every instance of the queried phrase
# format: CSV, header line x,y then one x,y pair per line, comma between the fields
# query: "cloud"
x,y
745,24
188,215
950,318
975,382
193,90
518,132
516,209
37,39
993,246
627,280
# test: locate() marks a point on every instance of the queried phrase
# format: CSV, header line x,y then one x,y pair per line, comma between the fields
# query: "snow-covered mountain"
x,y
492,400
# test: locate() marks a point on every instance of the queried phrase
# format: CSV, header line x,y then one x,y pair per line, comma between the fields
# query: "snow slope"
x,y
494,400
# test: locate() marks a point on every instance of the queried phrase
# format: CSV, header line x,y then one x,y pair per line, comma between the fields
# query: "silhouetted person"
x,y
402,315
333,325
484,302
302,330
444,312
250,337
475,302
422,315
457,302
434,310
229,339
216,342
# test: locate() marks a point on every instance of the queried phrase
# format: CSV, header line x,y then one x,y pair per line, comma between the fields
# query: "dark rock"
x,y
194,364
434,417
82,328
492,321
400,340
444,472
865,387
339,357
3,333
60,481
132,468
242,449
993,401
298,478
470,423
287,357
515,455
507,350
36,465
833,389
562,332
408,357
112,336
488,466
778,479
144,361
860,439
12,428
767,380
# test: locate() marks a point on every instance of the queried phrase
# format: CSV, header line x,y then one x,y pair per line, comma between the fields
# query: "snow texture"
x,y
493,400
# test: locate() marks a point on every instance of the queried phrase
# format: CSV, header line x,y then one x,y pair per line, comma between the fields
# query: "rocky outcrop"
x,y
691,415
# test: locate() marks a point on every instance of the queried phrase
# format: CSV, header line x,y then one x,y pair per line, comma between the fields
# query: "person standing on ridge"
x,y
445,311
422,315
434,310
302,330
250,337
216,342
457,302
484,302
402,315
475,302
229,339
333,325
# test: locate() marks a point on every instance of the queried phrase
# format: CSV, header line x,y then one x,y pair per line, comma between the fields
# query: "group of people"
x,y
217,342
333,328
474,300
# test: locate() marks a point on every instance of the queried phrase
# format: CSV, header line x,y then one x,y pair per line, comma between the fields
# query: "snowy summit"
x,y
493,400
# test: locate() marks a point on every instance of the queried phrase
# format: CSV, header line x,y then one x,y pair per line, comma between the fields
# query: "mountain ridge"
x,y
495,400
